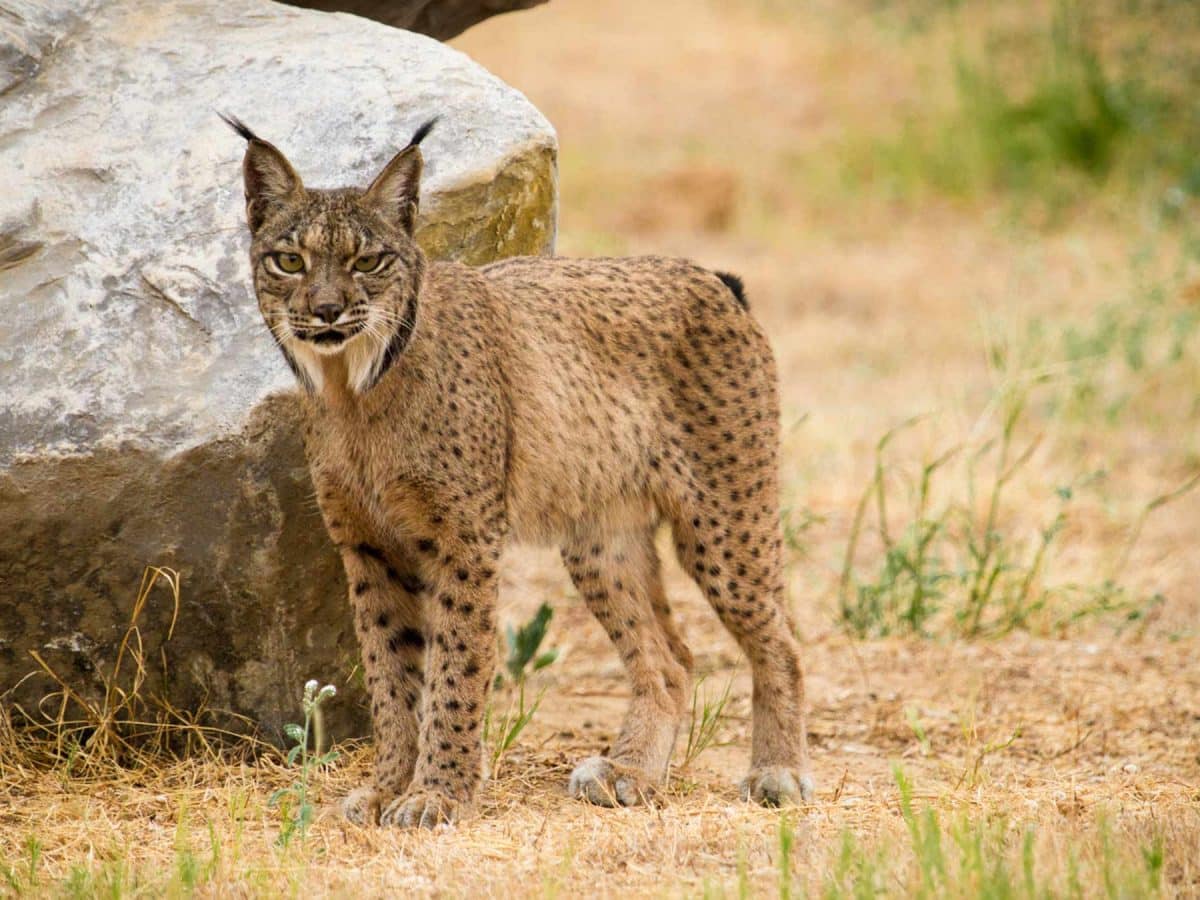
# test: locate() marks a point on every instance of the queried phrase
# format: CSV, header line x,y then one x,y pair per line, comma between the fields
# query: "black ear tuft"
x,y
420,134
269,179
240,127
394,191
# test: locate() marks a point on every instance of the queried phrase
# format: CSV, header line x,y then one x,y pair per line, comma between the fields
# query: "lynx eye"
x,y
368,263
291,263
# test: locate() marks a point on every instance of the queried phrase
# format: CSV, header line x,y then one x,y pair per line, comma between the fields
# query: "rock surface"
x,y
145,417
442,19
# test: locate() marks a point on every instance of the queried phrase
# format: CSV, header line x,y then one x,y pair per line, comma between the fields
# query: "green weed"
x,y
293,801
798,522
524,657
787,840
913,718
704,726
524,643
191,871
22,877
955,566
503,733
857,872
909,589
1134,360
985,856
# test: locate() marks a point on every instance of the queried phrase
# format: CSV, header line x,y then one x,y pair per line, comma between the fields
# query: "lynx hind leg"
x,y
619,579
723,505
737,567
362,805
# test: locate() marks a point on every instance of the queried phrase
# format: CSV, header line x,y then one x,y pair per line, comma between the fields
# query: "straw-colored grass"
x,y
1044,743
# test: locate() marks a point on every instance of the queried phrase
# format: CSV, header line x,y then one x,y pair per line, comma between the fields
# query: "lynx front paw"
x,y
606,783
421,809
777,786
361,806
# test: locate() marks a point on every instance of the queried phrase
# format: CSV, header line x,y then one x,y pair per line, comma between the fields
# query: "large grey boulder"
x,y
145,416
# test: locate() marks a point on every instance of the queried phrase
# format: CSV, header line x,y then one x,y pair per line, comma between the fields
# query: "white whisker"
x,y
394,318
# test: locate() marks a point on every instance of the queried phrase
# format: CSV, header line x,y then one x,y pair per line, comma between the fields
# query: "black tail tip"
x,y
420,134
735,285
239,126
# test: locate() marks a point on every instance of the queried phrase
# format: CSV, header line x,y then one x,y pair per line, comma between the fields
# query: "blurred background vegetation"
x,y
970,229
1058,106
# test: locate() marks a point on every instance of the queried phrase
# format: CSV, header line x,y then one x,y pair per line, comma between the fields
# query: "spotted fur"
x,y
451,410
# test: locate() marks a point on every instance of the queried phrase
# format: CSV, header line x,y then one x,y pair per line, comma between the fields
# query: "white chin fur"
x,y
309,362
363,354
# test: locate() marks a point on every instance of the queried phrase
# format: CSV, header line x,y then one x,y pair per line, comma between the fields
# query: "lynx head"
x,y
336,272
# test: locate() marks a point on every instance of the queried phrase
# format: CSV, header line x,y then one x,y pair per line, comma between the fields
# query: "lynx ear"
x,y
269,178
394,191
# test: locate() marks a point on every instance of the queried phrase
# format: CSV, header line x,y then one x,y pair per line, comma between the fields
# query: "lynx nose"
x,y
328,312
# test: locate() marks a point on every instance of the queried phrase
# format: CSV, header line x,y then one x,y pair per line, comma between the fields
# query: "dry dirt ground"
x,y
1062,757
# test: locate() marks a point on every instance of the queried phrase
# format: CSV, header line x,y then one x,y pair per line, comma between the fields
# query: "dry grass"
x,y
1058,740
1060,758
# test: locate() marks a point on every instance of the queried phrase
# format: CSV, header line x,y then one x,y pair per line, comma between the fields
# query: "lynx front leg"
x,y
461,624
387,598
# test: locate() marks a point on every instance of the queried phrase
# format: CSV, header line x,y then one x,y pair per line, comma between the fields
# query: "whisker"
x,y
278,332
376,332
400,322
393,317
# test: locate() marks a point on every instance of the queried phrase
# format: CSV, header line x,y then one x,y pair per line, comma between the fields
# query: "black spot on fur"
x,y
368,550
408,581
735,285
406,637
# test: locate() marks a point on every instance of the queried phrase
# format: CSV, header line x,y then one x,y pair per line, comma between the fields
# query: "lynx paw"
x,y
421,809
606,783
777,786
361,806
